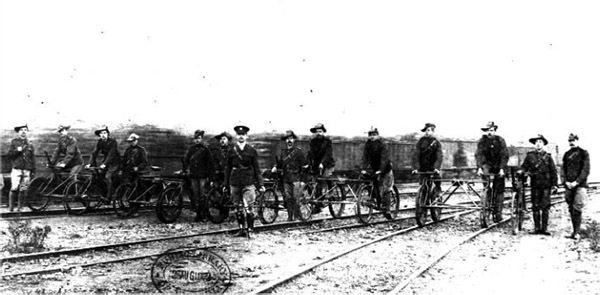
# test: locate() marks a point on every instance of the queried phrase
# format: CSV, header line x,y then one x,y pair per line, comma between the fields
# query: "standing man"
x,y
320,158
22,155
135,159
197,163
289,163
576,168
538,164
377,156
242,176
67,148
492,157
220,158
111,163
428,156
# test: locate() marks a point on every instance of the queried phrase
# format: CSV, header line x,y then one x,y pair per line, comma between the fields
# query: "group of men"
x,y
235,167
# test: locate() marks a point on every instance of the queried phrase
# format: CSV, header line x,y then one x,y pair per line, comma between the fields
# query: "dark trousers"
x,y
198,199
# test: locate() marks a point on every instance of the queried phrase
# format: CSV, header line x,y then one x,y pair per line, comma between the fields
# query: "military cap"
x,y
427,125
218,137
373,130
317,127
133,137
489,126
573,137
241,129
534,139
63,127
198,133
104,128
17,128
288,134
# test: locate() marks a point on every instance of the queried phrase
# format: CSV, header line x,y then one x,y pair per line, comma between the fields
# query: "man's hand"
x,y
274,170
436,171
479,171
501,173
61,165
321,166
19,149
135,169
414,171
102,166
88,166
261,189
305,166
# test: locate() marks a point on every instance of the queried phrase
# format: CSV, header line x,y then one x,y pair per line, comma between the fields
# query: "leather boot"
x,y
20,196
11,200
576,221
536,222
250,222
544,228
291,210
241,224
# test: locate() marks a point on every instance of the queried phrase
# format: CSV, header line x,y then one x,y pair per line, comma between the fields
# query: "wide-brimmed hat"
x,y
534,139
427,125
133,137
317,127
104,128
17,128
490,125
373,130
198,133
288,134
241,129
218,137
63,127
573,137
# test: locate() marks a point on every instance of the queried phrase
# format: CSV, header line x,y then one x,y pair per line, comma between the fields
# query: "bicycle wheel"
x,y
217,211
74,197
484,216
35,197
514,208
124,196
95,194
393,204
305,207
435,200
169,205
336,202
421,201
365,203
268,206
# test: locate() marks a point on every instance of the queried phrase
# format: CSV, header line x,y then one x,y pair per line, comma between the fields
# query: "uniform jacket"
x,y
576,166
540,166
135,156
219,158
377,156
67,147
492,151
24,159
109,149
291,162
320,152
428,154
242,167
198,161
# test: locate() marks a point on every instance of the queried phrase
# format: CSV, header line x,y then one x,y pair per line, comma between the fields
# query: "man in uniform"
x,y
197,163
220,158
538,164
22,155
377,156
576,168
289,163
492,157
135,159
67,147
111,163
428,156
242,175
320,158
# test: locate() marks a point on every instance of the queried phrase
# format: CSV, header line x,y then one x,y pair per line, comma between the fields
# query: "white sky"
x,y
530,66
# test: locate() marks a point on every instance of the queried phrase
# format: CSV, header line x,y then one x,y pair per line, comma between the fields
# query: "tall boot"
x,y
576,220
545,216
291,212
11,200
250,222
20,196
536,222
241,223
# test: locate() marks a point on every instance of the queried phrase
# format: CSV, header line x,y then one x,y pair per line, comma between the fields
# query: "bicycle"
x,y
170,202
319,192
86,192
517,203
43,190
489,199
427,197
143,191
368,199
